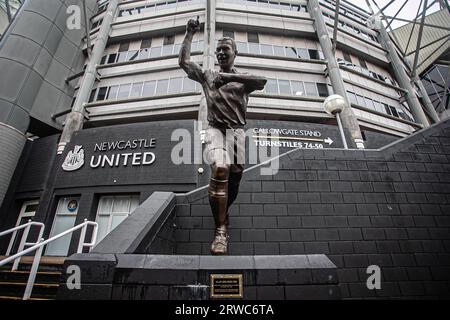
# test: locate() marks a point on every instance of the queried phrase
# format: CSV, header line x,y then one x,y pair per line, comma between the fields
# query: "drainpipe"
x,y
74,120
348,117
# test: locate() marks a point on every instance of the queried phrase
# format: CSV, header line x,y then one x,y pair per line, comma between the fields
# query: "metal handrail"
x,y
40,246
23,240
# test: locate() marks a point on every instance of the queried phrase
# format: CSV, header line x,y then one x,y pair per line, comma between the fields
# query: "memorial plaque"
x,y
226,286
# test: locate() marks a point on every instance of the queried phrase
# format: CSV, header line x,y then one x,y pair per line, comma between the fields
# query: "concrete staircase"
x,y
13,283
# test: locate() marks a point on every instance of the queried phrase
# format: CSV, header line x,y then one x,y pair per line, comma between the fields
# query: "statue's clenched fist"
x,y
193,25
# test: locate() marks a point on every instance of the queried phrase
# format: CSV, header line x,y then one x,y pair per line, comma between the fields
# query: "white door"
x,y
27,212
65,216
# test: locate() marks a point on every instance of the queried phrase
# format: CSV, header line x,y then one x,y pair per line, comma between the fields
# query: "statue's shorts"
x,y
225,146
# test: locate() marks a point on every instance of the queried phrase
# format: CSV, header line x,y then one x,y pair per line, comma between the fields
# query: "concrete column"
x,y
12,142
401,75
74,120
427,102
348,117
208,56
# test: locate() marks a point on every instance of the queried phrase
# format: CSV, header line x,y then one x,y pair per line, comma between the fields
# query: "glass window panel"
x,y
144,53
362,62
279,51
124,91
112,58
321,56
175,85
124,46
103,222
298,89
242,47
402,114
253,48
112,93
253,37
105,205
200,45
60,247
228,33
266,49
188,85
102,93
352,97
369,103
386,108
146,43
122,56
167,50
378,106
393,111
360,100
176,48
149,89
92,96
322,88
302,53
161,87
103,60
148,9
311,89
169,39
290,52
121,204
313,54
271,86
347,56
155,52
134,203
285,87
136,89
194,46
132,55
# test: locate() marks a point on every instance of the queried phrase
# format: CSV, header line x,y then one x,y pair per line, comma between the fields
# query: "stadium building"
x,y
93,104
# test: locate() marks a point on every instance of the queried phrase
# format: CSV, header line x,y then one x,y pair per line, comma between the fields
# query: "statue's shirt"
x,y
228,104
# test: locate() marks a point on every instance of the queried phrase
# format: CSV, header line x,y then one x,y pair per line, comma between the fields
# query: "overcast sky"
x,y
409,11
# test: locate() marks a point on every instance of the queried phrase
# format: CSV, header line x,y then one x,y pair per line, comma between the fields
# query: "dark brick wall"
x,y
390,208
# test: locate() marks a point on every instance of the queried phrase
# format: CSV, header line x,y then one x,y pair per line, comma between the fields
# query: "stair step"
x,y
13,283
36,285
22,276
20,298
40,290
48,260
47,263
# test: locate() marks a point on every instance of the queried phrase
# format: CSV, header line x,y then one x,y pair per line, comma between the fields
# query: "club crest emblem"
x,y
74,159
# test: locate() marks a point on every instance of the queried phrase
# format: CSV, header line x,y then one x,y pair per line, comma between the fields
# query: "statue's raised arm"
x,y
193,70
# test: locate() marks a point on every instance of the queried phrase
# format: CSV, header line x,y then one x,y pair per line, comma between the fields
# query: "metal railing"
x,y
40,246
27,226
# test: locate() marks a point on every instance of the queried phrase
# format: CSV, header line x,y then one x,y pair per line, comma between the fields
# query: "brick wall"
x,y
387,207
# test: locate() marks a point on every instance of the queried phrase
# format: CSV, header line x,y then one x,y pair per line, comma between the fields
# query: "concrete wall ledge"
x,y
136,276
